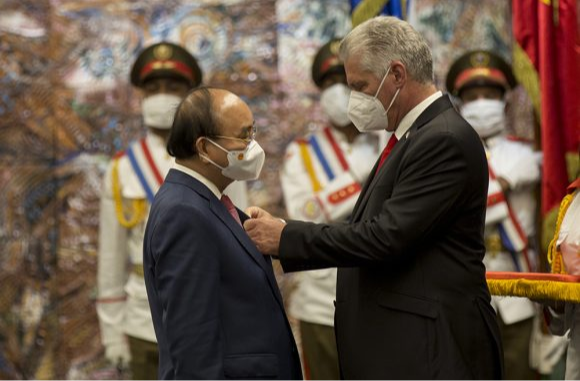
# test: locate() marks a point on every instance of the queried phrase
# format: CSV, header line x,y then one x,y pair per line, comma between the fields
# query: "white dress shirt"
x,y
411,117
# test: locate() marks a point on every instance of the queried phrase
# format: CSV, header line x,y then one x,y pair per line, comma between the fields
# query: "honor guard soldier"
x,y
481,79
164,73
321,180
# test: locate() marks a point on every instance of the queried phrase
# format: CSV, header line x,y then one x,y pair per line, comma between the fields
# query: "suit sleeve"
x,y
432,179
187,277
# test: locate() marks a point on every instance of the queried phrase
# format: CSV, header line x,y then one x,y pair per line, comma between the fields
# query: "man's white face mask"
x,y
486,116
242,165
158,110
367,112
334,102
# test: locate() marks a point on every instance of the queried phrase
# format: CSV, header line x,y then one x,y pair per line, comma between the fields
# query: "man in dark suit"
x,y
412,300
216,307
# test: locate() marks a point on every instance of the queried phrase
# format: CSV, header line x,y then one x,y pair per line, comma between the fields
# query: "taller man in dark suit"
x,y
412,300
216,307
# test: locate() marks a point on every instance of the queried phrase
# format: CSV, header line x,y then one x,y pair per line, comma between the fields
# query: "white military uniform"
x,y
518,164
122,305
322,178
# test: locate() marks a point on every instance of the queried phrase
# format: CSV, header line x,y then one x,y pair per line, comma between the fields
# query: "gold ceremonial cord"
x,y
309,167
138,207
554,253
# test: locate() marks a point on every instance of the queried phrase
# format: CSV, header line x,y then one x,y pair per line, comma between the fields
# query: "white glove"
x,y
118,354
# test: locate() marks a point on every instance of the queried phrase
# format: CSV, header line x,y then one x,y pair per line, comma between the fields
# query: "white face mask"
x,y
366,112
486,116
158,110
334,102
242,165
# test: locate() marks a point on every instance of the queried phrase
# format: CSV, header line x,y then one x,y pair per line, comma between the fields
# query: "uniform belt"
x,y
137,269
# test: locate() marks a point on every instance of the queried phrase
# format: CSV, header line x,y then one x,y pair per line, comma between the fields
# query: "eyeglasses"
x,y
252,131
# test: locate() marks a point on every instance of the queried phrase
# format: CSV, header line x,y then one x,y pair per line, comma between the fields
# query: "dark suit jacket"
x,y
216,307
412,299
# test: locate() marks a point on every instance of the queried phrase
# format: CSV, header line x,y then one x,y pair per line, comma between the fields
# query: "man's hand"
x,y
257,212
264,230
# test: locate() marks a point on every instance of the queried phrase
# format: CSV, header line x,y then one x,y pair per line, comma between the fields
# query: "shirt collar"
x,y
199,177
412,115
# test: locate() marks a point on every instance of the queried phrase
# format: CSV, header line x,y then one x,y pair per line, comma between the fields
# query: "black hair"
x,y
194,118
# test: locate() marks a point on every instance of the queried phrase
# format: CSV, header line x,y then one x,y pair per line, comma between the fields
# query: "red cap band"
x,y
177,66
486,72
328,63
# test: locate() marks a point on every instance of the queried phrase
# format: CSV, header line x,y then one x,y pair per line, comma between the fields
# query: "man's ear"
x,y
399,72
201,148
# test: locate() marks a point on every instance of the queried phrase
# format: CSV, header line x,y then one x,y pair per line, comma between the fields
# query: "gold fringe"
x,y
535,289
138,206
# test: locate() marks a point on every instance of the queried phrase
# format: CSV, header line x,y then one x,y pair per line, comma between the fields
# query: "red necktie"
x,y
388,148
231,208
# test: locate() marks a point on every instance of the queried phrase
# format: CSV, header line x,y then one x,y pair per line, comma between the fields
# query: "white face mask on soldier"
x,y
242,165
367,112
334,102
158,110
486,116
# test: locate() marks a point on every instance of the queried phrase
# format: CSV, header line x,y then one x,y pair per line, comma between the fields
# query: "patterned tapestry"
x,y
66,106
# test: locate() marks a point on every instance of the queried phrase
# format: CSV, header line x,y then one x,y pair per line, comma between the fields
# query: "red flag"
x,y
547,64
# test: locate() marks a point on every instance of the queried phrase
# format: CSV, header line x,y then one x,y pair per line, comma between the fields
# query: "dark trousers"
x,y
516,348
319,349
144,359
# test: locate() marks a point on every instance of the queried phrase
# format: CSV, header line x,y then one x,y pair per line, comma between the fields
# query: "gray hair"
x,y
383,39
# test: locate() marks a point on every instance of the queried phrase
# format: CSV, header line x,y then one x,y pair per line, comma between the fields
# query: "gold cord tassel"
x,y
554,253
138,206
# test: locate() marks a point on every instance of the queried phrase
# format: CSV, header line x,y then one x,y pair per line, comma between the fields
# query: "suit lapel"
x,y
364,191
373,180
221,212
437,107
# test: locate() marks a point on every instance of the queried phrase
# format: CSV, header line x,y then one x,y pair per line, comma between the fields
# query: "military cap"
x,y
327,62
479,68
165,59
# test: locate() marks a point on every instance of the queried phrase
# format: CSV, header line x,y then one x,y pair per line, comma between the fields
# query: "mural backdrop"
x,y
66,106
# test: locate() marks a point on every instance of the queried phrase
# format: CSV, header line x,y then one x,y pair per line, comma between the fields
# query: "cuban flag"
x,y
362,10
